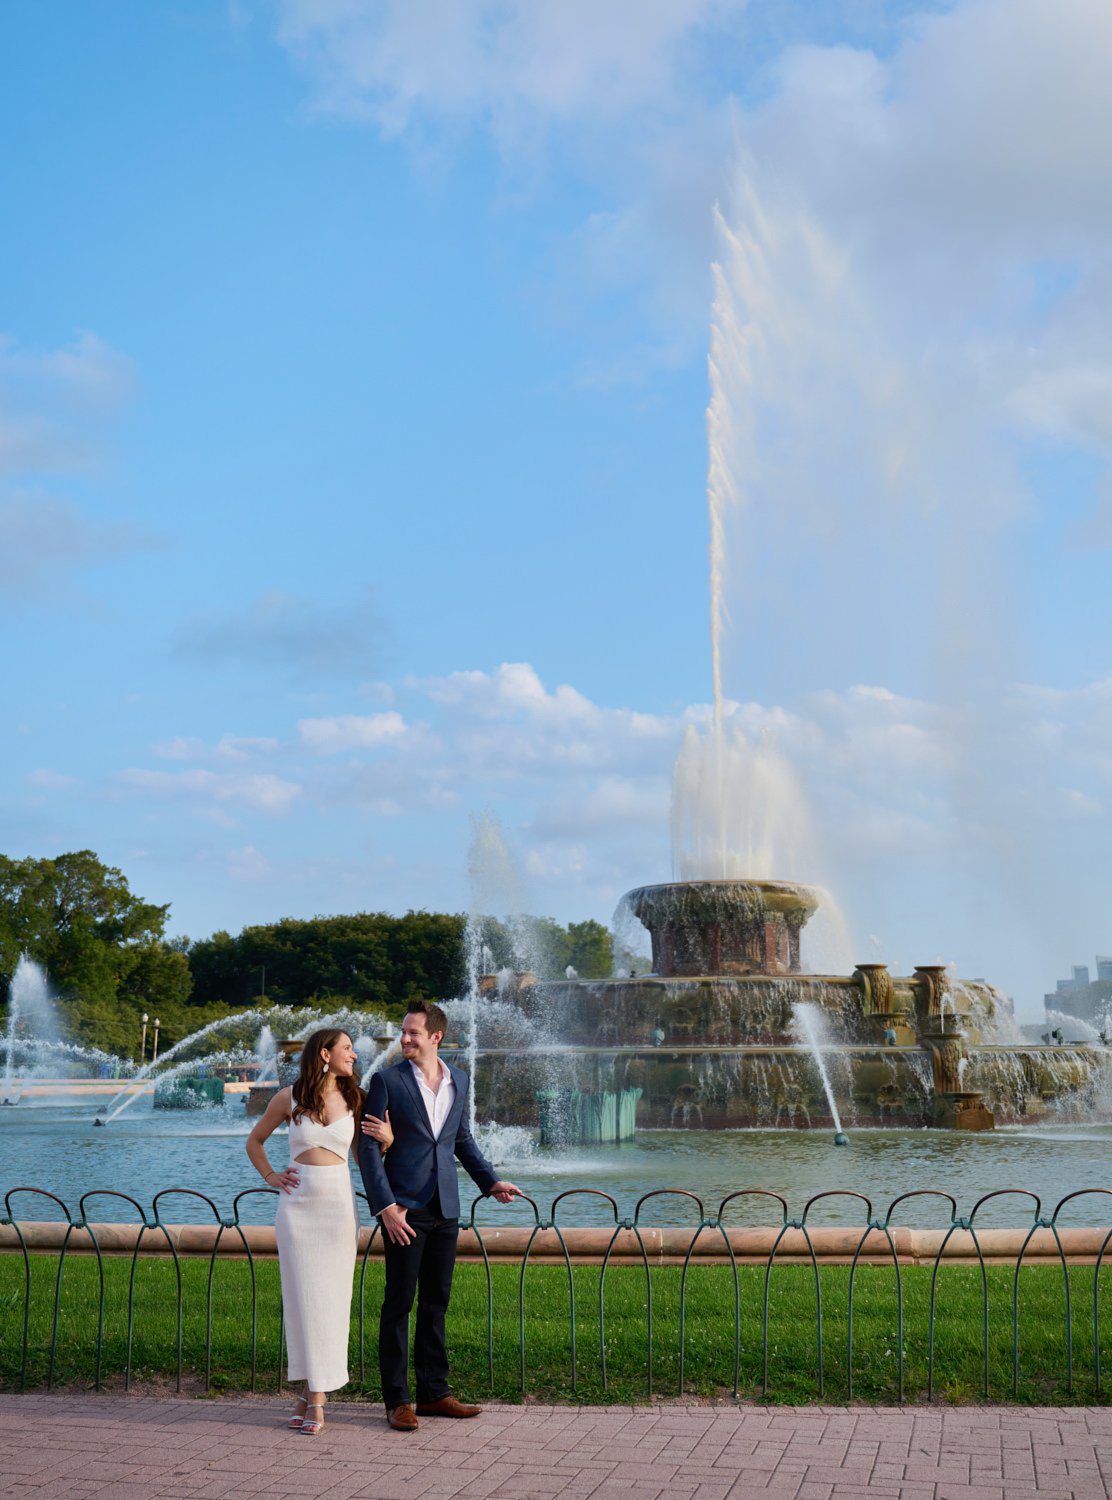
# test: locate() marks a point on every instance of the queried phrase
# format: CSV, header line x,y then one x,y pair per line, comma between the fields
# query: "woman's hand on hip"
x,y
285,1181
379,1130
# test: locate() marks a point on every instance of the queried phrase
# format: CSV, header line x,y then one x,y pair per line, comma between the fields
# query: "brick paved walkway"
x,y
154,1448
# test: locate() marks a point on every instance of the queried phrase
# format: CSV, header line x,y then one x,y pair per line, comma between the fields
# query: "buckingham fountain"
x,y
727,1030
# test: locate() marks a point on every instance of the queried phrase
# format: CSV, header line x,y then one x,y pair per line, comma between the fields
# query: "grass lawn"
x,y
709,1331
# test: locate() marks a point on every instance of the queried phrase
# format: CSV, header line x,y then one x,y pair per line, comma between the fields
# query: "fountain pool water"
x,y
147,1149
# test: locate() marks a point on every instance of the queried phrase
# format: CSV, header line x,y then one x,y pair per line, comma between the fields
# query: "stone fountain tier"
x,y
869,1006
724,1010
722,1087
710,927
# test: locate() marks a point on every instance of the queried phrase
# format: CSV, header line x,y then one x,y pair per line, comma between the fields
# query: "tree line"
x,y
109,959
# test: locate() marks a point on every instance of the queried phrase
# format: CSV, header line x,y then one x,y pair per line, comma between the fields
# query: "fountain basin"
x,y
703,927
697,1086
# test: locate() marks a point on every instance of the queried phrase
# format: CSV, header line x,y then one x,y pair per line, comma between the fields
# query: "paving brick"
x,y
115,1447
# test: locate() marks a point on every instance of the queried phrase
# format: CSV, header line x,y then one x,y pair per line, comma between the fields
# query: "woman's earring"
x,y
326,1067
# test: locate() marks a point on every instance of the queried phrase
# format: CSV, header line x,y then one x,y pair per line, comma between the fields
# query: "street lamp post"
x,y
154,1052
143,1041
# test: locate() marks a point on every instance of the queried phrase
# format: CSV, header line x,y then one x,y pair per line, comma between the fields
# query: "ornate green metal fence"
x,y
627,1232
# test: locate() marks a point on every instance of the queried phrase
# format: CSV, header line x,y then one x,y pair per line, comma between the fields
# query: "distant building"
x,y
1082,997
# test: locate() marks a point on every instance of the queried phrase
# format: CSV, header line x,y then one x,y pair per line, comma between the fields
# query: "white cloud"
x,y
235,747
46,780
327,736
263,793
249,865
512,688
611,803
245,747
180,747
512,63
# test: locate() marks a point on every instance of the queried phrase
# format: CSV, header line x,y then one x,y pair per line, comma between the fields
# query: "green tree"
x,y
101,945
589,949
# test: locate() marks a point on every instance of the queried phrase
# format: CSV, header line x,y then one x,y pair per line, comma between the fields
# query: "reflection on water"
x,y
58,1149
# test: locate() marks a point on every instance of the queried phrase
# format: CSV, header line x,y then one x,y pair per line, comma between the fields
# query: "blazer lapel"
x,y
451,1124
406,1070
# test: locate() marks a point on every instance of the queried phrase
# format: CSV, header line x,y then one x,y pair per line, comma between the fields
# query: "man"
x,y
415,1195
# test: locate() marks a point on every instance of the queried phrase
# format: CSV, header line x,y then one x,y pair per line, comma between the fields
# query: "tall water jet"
x,y
266,1048
494,888
1072,1028
808,1019
738,810
30,1016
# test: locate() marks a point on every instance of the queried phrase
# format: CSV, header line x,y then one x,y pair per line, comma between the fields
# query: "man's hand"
x,y
396,1226
505,1192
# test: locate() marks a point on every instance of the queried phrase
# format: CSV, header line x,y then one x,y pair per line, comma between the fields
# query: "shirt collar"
x,y
444,1074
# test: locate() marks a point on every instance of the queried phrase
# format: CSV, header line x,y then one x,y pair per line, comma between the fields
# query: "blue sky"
x,y
353,379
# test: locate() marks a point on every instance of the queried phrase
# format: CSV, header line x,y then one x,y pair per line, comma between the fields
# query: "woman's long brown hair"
x,y
308,1088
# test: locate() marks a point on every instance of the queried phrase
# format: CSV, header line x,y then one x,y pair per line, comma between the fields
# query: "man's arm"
x,y
380,1195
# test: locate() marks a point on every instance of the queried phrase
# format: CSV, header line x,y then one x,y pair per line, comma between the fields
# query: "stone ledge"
x,y
587,1246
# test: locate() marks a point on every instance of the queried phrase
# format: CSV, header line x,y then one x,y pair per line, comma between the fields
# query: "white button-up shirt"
x,y
438,1105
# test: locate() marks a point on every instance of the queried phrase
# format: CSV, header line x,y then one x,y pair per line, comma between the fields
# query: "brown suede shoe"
x,y
447,1406
402,1419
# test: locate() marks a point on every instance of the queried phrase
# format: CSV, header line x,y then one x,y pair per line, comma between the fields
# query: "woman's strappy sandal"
x,y
311,1428
297,1418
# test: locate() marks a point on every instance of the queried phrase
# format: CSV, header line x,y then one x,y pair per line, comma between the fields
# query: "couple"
x,y
414,1122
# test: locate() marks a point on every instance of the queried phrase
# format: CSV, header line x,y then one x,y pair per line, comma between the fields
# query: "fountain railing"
x,y
707,1240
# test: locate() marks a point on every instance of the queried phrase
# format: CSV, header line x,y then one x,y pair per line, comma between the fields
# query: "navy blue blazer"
x,y
417,1164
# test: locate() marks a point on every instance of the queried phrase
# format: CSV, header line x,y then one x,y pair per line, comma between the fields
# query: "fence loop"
x,y
835,1193
1004,1193
755,1193
584,1193
921,1193
666,1193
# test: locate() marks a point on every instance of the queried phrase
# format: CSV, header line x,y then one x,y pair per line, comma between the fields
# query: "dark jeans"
x,y
424,1267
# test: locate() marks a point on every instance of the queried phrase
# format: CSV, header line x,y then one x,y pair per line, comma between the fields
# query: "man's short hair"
x,y
435,1019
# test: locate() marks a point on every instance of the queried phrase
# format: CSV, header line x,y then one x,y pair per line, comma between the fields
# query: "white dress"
x,y
316,1228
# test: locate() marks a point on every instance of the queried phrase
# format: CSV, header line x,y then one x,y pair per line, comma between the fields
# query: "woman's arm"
x,y
277,1112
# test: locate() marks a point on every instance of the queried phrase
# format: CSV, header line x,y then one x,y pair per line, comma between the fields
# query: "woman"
x,y
316,1225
